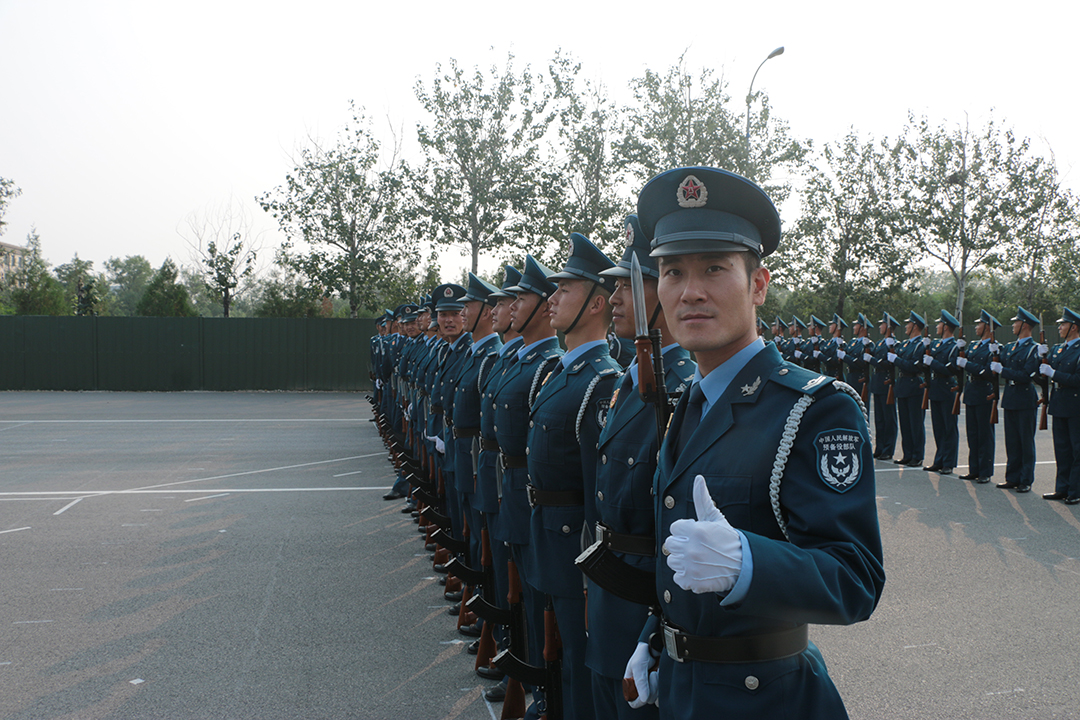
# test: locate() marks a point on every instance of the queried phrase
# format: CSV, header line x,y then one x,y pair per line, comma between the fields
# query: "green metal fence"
x,y
136,353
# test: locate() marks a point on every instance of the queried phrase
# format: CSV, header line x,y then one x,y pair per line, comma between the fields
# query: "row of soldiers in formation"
x,y
645,538
907,376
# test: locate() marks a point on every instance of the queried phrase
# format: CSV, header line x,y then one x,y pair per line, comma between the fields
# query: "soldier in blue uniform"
x,y
1063,368
885,422
857,357
814,344
564,429
832,352
943,388
624,476
979,395
908,390
798,342
783,342
760,534
1020,361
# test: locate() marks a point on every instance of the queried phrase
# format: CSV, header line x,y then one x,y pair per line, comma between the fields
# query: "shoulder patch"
x,y
838,454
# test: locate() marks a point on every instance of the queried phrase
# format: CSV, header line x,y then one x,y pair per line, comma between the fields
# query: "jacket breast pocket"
x,y
731,493
631,469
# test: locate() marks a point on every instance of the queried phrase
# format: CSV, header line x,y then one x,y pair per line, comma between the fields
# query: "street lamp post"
x,y
750,94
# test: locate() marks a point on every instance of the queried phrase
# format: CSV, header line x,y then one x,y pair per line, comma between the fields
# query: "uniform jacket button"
x,y
566,528
526,451
530,423
600,495
630,461
665,550
752,682
669,502
667,596
603,459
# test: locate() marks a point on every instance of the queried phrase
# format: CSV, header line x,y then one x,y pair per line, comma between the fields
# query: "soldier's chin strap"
x,y
535,308
655,314
478,315
592,291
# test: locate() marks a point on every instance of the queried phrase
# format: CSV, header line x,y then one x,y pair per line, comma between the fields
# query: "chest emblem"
x,y
838,453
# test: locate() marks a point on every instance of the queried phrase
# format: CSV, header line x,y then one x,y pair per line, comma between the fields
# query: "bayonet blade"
x,y
637,290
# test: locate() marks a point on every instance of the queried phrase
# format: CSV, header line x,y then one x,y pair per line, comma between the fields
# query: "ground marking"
x,y
256,472
354,472
70,504
207,497
30,622
15,530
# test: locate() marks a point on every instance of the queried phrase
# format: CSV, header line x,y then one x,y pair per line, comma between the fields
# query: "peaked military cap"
x,y
703,210
779,321
987,318
586,262
949,319
479,290
861,320
381,321
916,318
534,279
815,320
408,312
1025,316
388,316
446,297
796,321
761,324
837,320
889,319
1068,316
511,277
636,244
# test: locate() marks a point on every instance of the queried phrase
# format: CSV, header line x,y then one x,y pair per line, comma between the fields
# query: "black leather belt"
x,y
466,432
515,461
554,498
437,409
489,445
644,545
740,649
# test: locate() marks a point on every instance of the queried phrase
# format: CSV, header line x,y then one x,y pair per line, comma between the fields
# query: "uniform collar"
x,y
511,346
529,348
570,357
479,344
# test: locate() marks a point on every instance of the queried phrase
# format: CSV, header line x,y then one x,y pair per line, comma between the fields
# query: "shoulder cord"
x,y
791,428
585,404
480,375
536,379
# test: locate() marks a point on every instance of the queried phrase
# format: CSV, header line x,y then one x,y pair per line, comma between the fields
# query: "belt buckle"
x,y
671,643
602,534
530,491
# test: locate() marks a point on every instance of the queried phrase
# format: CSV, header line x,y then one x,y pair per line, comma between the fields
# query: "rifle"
x,y
1044,381
649,346
996,357
514,702
927,372
962,352
548,676
890,399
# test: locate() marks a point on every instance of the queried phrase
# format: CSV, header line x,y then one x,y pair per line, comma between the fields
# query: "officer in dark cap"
x,y
832,353
1020,361
884,379
624,474
783,342
941,359
908,358
798,342
814,344
857,357
980,392
1063,368
763,529
564,428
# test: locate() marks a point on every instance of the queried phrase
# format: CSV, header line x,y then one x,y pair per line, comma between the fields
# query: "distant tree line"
x,y
512,160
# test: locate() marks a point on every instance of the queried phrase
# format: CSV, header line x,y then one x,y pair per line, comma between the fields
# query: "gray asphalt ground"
x,y
203,555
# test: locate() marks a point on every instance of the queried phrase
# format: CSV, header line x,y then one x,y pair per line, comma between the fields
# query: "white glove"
x,y
840,341
891,357
647,683
840,354
1043,349
995,347
817,353
890,341
440,446
706,554
408,412
866,341
961,343
995,367
1046,370
925,340
867,357
927,360
378,384
815,339
798,355
961,362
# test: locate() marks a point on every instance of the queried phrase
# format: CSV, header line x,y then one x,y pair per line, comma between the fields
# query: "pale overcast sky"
x,y
120,118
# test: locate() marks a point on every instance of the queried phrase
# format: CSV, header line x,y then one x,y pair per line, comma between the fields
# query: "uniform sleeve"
x,y
831,571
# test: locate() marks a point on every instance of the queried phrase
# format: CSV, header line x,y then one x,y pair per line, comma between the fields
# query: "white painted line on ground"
x,y
256,472
151,510
70,504
47,494
5,663
30,622
137,681
64,589
207,497
179,420
1007,692
15,530
909,647
133,525
354,472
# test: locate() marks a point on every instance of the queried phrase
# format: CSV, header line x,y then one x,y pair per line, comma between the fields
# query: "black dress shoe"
x,y
496,693
454,609
393,495
473,648
407,510
470,630
1072,500
1008,485
902,461
969,476
945,471
489,673
1023,488
1055,496
931,468
454,597
440,568
982,481
914,463
431,547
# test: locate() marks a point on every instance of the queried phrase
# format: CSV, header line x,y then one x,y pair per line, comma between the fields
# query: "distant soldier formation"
x,y
637,501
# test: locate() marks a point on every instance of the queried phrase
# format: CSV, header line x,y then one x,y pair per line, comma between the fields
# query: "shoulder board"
x,y
681,371
799,379
603,365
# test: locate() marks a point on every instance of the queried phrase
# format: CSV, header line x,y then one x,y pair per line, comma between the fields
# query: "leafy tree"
x,y
965,197
165,296
285,295
478,182
222,246
346,213
32,289
126,280
81,285
8,192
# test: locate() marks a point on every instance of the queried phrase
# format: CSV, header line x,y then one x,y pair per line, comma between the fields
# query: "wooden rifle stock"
x,y
514,702
890,399
487,647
